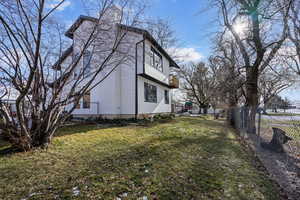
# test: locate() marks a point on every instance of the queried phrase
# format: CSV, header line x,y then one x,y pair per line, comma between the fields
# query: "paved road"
x,y
281,118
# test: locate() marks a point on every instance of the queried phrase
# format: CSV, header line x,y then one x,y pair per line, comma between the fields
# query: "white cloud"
x,y
187,54
63,6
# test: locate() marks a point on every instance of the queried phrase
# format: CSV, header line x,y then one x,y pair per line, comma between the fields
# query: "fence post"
x,y
258,128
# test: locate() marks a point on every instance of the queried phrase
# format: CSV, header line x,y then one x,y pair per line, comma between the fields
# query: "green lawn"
x,y
187,158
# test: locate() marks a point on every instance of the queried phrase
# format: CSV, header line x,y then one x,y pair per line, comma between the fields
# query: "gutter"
x,y
136,75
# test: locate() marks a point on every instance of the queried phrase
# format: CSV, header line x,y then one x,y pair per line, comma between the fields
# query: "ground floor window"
x,y
77,105
150,93
86,100
167,101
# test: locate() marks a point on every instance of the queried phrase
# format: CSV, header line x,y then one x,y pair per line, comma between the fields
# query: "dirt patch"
x,y
284,168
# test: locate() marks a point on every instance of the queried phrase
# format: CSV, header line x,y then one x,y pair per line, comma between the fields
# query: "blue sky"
x,y
193,26
193,29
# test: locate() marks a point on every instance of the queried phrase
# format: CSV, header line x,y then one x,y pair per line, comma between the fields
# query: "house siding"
x,y
152,108
151,71
115,97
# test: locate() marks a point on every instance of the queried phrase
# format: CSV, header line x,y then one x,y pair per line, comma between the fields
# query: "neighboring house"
x,y
140,87
9,99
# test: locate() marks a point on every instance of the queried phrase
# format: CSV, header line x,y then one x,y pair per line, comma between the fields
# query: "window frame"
x,y
78,105
75,57
87,57
86,104
150,88
167,96
153,55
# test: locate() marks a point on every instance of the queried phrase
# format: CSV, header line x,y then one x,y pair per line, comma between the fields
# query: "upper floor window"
x,y
87,56
156,60
86,69
74,60
150,93
167,100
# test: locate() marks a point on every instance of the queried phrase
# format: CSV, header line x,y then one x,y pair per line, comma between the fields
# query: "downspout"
x,y
136,73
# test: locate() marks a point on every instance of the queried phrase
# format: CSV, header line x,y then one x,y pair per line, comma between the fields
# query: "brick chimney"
x,y
112,15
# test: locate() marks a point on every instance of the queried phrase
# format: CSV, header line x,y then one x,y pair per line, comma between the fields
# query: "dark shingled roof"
x,y
144,32
77,23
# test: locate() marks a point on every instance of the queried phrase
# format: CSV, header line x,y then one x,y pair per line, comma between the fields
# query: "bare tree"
x,y
292,55
163,32
199,84
271,83
259,29
29,44
229,74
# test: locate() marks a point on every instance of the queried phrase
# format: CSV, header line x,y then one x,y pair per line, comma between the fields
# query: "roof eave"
x,y
148,36
70,32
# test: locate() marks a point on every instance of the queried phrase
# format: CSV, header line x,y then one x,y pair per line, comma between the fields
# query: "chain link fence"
x,y
283,167
288,121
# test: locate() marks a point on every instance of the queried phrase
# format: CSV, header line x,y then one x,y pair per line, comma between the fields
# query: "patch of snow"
x,y
125,194
143,198
76,191
32,194
35,193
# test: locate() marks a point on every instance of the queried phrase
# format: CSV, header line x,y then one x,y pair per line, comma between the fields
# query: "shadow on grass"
x,y
6,149
83,128
201,121
176,170
166,166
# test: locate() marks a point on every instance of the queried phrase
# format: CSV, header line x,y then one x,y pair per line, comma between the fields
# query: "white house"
x,y
137,88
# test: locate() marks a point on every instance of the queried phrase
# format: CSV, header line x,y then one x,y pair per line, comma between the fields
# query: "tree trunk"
x,y
251,97
265,108
200,110
230,116
38,136
205,109
278,140
232,105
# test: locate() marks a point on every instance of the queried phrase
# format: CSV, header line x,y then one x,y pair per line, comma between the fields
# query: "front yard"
x,y
187,158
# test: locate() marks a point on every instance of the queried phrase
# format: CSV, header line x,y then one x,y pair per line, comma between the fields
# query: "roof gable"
x,y
145,33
